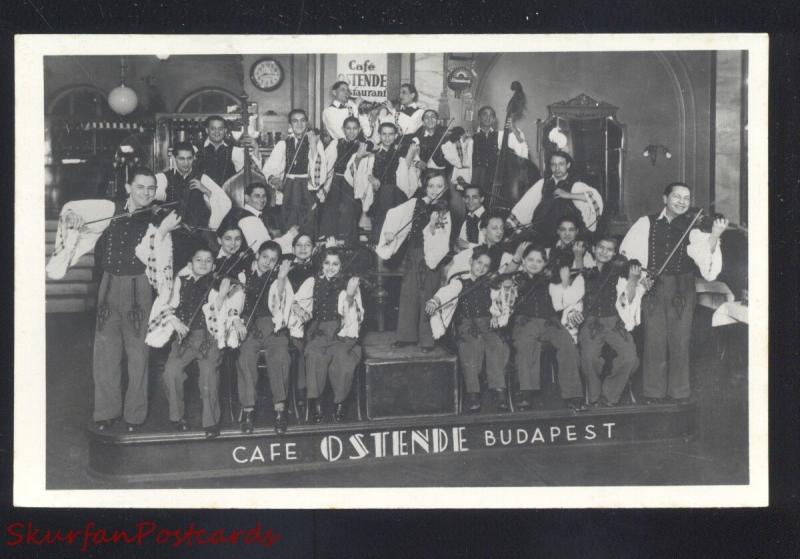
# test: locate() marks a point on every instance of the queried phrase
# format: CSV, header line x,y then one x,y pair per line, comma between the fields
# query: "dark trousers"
x,y
340,212
276,345
329,356
419,284
483,177
387,197
595,333
297,203
528,335
667,311
299,344
476,342
199,345
126,300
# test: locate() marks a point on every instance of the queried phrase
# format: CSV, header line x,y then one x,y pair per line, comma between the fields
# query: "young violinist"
x,y
261,326
342,208
385,178
536,321
569,248
457,150
218,158
188,315
471,233
421,225
296,169
475,299
329,309
611,309
503,260
135,256
302,268
202,202
671,260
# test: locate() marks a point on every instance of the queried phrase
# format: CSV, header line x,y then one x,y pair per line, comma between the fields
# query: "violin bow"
x,y
678,244
441,140
151,208
410,221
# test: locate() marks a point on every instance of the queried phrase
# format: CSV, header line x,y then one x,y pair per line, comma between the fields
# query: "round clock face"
x,y
266,74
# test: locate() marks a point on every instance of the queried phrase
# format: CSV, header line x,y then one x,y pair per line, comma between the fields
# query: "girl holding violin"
x,y
422,226
672,249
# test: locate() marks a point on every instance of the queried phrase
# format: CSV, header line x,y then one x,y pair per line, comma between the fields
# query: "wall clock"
x,y
266,74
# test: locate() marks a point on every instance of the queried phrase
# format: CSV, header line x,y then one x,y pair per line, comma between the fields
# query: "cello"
x,y
513,175
235,186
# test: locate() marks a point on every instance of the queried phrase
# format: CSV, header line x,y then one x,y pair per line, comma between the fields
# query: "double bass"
x,y
513,175
234,187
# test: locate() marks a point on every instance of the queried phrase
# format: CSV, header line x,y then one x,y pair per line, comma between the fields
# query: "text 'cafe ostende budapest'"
x,y
416,442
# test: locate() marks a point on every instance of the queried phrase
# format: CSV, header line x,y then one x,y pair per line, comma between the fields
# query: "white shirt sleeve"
x,y
218,202
709,263
634,245
276,162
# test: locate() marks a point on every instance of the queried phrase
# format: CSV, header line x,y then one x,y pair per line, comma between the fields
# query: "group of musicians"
x,y
224,279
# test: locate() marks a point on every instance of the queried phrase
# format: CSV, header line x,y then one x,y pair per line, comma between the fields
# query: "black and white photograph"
x,y
439,271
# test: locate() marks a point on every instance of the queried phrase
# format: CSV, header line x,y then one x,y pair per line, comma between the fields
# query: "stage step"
x,y
168,455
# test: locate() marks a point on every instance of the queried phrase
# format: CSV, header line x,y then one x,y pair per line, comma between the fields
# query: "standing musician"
x,y
471,233
669,304
296,169
430,138
135,256
477,326
611,309
486,147
535,321
386,177
560,195
254,220
342,107
423,224
331,306
408,116
202,202
219,159
342,209
192,291
265,314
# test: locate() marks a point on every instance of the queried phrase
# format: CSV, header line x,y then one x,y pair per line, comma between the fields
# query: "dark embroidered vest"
x,y
385,166
192,205
217,163
484,149
344,151
119,242
534,296
193,291
601,302
258,285
662,239
476,303
300,166
326,298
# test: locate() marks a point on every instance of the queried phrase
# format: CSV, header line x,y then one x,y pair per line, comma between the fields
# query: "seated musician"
x,y
260,327
422,226
558,196
535,321
342,207
473,299
135,256
569,248
302,268
201,201
610,311
502,260
385,178
190,314
234,256
254,221
330,304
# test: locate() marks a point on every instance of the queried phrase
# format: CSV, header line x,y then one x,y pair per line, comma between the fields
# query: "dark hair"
x,y
608,238
562,154
333,251
455,133
338,84
474,187
299,235
296,112
430,111
568,219
388,124
248,190
430,173
488,216
212,118
410,87
672,185
351,119
270,245
200,246
228,224
182,146
141,172
486,108
538,248
479,251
